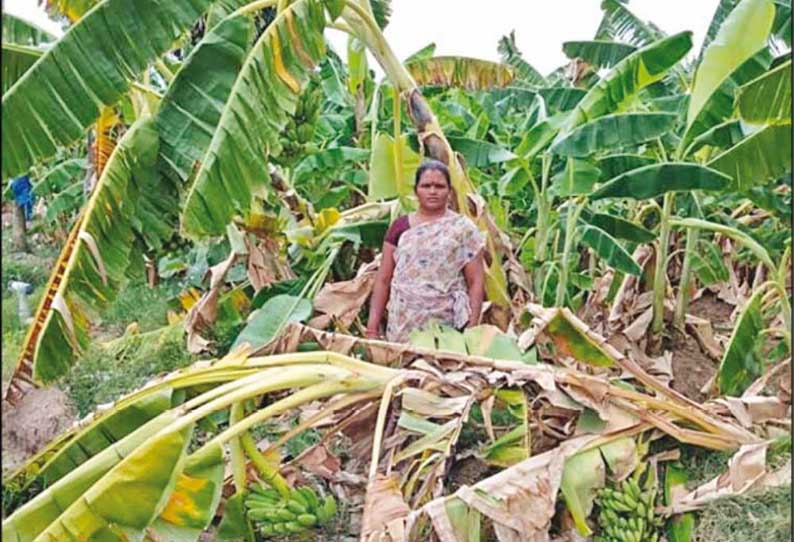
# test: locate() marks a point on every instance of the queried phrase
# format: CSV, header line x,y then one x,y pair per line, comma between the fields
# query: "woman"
x,y
432,265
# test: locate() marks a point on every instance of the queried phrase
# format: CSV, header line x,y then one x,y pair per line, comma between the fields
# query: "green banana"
x,y
308,520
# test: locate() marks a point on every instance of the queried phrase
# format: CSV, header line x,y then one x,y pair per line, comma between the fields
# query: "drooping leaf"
x,y
598,53
189,111
767,99
720,105
94,260
479,153
265,323
17,59
357,69
577,178
511,56
265,91
762,156
561,98
618,227
615,164
743,33
708,265
92,65
619,23
610,250
460,72
635,72
30,520
721,136
19,31
657,179
611,132
424,53
383,181
744,360
126,500
195,498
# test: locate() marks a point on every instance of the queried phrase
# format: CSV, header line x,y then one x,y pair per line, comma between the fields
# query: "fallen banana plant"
x,y
143,468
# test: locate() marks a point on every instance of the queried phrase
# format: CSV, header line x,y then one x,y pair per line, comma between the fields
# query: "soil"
x,y
42,415
693,368
710,308
467,472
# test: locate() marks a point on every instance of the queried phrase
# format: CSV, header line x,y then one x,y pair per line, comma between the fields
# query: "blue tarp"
x,y
23,194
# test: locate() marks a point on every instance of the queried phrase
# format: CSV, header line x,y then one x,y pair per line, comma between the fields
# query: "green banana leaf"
x,y
189,111
357,68
635,72
618,227
782,25
721,136
583,474
460,72
524,72
30,520
767,99
620,24
571,340
91,66
598,53
609,250
681,526
657,179
123,504
17,59
744,360
328,159
94,260
743,33
561,98
192,505
18,31
266,90
479,153
724,8
720,106
383,182
612,132
267,322
424,53
615,164
60,176
708,265
763,156
578,177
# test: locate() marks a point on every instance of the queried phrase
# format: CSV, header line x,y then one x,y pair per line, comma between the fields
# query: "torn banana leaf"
x,y
610,250
767,99
265,91
461,72
92,65
93,262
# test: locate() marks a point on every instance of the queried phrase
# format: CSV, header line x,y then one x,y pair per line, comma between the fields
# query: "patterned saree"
x,y
428,282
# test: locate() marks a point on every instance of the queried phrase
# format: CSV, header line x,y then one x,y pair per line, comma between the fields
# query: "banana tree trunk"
x,y
660,276
19,229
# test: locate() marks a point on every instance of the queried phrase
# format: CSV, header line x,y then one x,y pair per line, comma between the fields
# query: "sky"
x,y
473,28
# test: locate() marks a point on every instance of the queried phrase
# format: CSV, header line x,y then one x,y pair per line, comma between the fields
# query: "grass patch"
x,y
137,302
765,517
108,371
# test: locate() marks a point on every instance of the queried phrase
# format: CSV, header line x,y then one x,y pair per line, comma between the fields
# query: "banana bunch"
x,y
288,519
626,513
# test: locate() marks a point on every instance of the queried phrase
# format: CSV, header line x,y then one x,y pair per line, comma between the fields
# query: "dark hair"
x,y
432,165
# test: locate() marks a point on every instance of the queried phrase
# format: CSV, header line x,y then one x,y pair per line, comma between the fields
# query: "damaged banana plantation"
x,y
219,171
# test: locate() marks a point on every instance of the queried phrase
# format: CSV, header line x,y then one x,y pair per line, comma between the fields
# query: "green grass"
x,y
108,371
765,517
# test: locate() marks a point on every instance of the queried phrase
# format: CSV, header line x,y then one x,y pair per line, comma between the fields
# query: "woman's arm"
x,y
474,272
381,290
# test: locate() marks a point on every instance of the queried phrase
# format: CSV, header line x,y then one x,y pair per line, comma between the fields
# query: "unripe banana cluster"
x,y
626,514
277,518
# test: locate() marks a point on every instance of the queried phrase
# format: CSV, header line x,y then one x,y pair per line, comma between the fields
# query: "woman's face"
x,y
432,191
